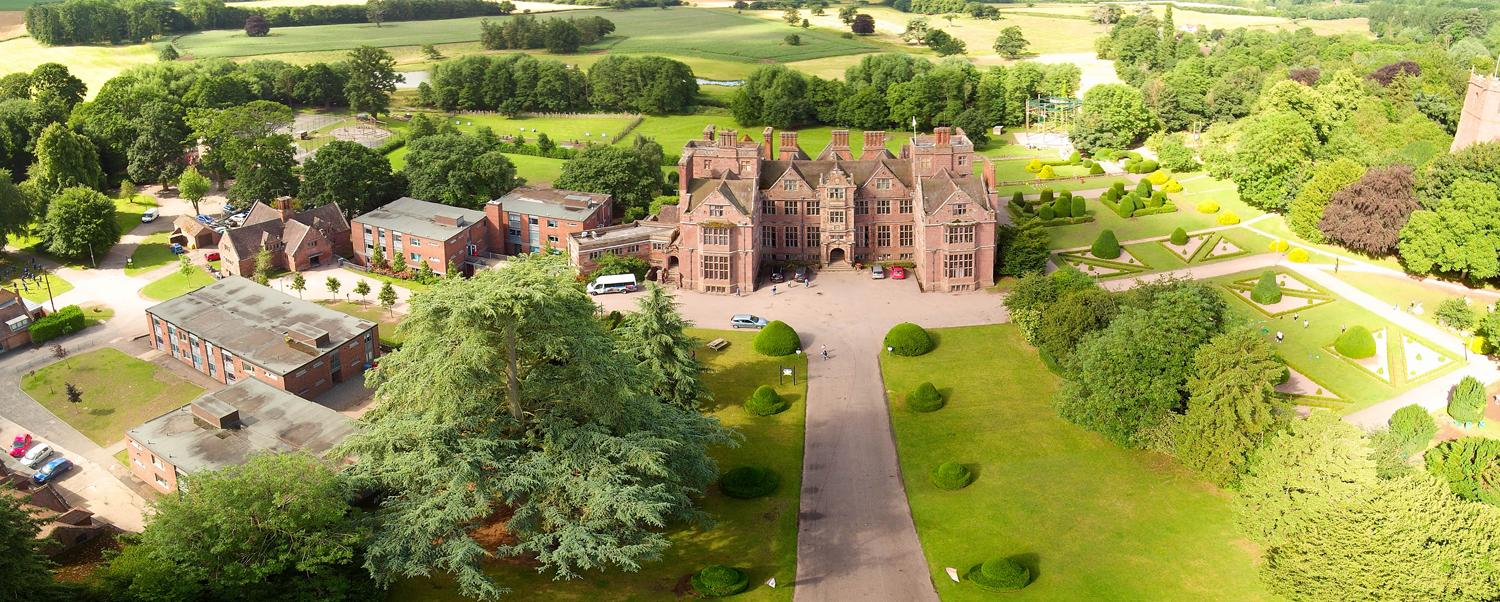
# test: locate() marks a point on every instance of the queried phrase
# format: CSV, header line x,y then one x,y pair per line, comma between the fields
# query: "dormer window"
x,y
836,193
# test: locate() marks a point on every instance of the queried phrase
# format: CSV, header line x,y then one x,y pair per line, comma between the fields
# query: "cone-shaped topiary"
x,y
1266,291
1106,246
925,398
1356,343
777,339
718,581
1467,403
1143,189
951,475
1018,198
1000,575
1179,236
749,482
1079,209
1046,198
907,339
765,401
1096,170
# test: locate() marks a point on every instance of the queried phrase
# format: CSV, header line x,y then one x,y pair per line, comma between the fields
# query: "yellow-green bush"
x,y
1228,218
1208,207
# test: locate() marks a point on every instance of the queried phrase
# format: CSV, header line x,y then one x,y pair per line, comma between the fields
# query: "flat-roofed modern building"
x,y
235,329
222,428
532,219
422,232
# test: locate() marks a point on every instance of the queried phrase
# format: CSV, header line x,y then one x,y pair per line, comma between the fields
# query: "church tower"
x,y
1480,119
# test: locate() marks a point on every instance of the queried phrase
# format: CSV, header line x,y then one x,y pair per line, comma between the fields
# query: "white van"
x,y
615,283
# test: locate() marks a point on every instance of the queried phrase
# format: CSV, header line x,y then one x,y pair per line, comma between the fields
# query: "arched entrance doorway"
x,y
836,255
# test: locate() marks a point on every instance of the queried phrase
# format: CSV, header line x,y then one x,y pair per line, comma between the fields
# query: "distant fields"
x,y
92,64
685,31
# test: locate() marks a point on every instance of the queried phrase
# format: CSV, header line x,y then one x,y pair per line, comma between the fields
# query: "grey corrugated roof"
x,y
270,420
414,216
548,202
251,321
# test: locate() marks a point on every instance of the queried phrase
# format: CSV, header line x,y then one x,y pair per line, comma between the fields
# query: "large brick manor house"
x,y
743,207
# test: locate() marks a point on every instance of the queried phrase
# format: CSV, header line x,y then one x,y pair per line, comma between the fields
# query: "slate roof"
x,y
414,216
552,203
937,189
264,228
812,171
739,192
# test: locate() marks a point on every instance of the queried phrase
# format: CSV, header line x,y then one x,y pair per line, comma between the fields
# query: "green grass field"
x,y
10,265
153,252
710,33
1092,520
92,64
119,392
1195,188
372,311
1401,291
759,536
175,284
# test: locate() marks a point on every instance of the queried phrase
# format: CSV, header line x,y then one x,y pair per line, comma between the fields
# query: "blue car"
x,y
51,470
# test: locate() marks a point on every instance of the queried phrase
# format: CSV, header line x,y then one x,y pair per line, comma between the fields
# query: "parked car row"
x,y
31,455
879,272
799,274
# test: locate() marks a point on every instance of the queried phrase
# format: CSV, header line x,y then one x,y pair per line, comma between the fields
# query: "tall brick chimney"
x,y
765,143
789,149
283,205
728,137
840,139
874,144
942,134
708,132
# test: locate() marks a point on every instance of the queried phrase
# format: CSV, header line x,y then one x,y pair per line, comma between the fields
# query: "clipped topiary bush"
x,y
1467,403
1079,208
718,581
1172,186
1158,177
1143,189
765,401
1096,170
1413,427
1062,207
1208,207
1033,166
1018,198
925,398
1046,212
1157,199
1046,198
1126,206
1297,255
1266,291
749,482
952,475
908,340
1106,246
1047,173
1228,218
1179,236
1000,575
777,339
1119,188
1356,343
1279,246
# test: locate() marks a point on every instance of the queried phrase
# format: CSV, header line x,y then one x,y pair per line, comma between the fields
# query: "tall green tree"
x,y
656,336
1232,405
25,571
350,174
65,159
192,186
1112,116
1272,158
629,174
156,154
1011,43
231,133
459,170
538,417
264,171
80,224
15,208
278,526
1470,466
1300,472
372,79
1458,236
1306,209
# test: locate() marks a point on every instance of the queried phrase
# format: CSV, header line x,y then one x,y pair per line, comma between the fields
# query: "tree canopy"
x,y
353,175
1232,405
458,170
80,224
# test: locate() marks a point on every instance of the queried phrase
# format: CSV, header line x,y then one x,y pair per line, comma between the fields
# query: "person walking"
x,y
825,352
1279,336
773,290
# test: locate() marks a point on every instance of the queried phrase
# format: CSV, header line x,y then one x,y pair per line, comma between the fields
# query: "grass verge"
x,y
119,392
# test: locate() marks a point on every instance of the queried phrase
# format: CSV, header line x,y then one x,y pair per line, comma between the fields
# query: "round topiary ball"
x,y
908,340
718,581
749,482
1000,575
952,475
925,398
765,401
1179,236
1266,291
1106,246
1356,343
777,339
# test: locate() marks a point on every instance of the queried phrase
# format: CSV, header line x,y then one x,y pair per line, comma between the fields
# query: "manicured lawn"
x,y
35,291
537,170
175,284
123,457
95,314
1276,226
1401,292
559,129
712,33
1195,188
758,535
153,252
119,392
128,213
1308,349
1093,521
673,131
375,313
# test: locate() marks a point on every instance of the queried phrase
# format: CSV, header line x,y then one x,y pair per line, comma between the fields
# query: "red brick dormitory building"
x,y
742,205
297,241
235,329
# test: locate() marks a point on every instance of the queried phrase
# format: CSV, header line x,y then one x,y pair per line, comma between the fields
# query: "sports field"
x,y
717,34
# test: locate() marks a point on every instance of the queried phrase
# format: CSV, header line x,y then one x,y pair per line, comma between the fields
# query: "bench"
x,y
718,344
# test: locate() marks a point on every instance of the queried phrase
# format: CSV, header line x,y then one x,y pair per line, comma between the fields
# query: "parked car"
x,y
212,256
35,456
898,273
205,219
802,274
19,446
150,215
877,272
616,283
177,249
747,321
777,275
52,470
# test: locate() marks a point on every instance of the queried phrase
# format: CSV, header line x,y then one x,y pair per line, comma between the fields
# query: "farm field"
x,y
1091,520
521,5
1046,34
689,31
758,536
92,64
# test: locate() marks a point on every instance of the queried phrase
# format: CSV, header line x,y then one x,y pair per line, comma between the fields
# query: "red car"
x,y
898,273
19,446
212,256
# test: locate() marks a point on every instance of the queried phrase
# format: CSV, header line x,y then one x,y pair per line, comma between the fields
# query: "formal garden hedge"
x,y
1106,246
1000,575
777,339
765,401
1142,201
1062,209
908,340
925,398
1266,291
718,581
1356,343
1297,255
62,322
749,482
1208,207
1228,218
951,475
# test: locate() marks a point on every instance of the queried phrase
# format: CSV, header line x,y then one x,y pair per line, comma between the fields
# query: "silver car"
x,y
36,454
747,321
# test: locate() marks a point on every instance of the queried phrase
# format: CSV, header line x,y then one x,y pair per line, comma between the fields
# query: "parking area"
x,y
92,483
